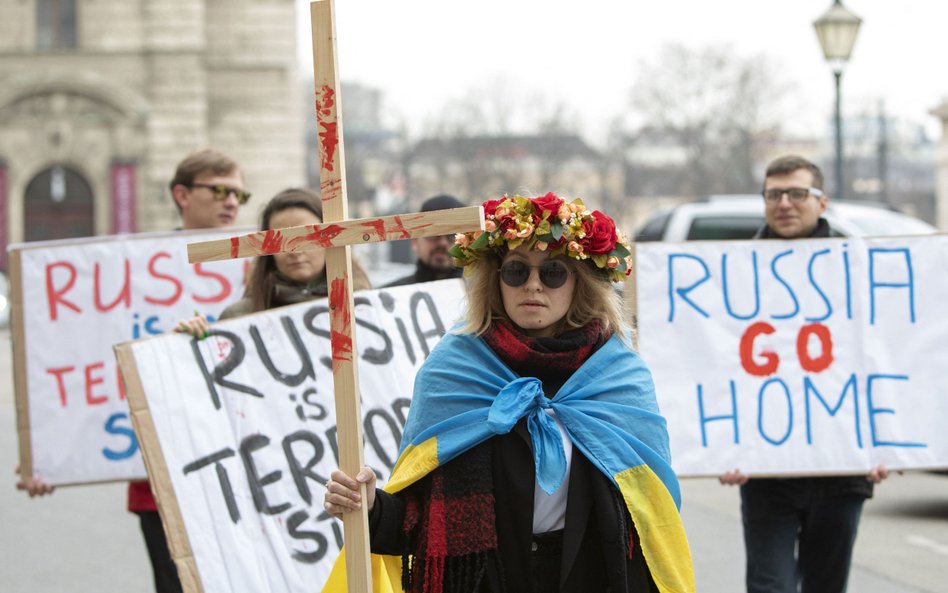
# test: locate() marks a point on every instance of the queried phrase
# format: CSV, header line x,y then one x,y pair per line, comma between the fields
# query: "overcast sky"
x,y
424,52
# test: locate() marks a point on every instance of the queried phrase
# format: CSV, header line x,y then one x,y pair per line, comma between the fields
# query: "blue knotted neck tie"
x,y
524,397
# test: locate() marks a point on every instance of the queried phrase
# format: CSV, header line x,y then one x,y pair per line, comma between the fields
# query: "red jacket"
x,y
140,498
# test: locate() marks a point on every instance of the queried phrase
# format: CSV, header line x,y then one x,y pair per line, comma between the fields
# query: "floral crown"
x,y
547,223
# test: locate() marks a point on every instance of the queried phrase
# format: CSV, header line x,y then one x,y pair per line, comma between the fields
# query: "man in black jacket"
x,y
434,262
799,530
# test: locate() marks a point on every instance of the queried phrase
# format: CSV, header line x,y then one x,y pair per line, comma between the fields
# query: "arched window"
x,y
58,205
55,24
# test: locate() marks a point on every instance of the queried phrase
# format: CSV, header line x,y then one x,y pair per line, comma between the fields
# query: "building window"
x,y
55,24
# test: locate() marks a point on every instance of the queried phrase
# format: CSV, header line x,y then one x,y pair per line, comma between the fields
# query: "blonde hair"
x,y
594,298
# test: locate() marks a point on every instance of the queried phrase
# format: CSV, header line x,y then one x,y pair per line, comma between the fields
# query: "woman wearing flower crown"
x,y
534,457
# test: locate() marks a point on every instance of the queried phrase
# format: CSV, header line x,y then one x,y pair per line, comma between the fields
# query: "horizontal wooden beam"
x,y
338,234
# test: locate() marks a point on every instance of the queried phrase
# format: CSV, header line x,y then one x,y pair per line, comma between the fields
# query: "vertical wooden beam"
x,y
332,182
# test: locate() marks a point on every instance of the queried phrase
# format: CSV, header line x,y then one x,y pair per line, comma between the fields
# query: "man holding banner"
x,y
208,190
799,533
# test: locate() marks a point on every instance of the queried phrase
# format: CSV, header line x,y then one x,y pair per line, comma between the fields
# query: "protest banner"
x,y
72,301
798,357
239,430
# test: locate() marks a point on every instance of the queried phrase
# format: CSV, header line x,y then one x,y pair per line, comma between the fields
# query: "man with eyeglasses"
x,y
434,262
799,533
208,189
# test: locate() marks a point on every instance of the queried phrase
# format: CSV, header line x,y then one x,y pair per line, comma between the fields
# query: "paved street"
x,y
82,540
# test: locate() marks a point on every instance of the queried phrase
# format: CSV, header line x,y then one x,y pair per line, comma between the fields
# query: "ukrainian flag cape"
x,y
464,394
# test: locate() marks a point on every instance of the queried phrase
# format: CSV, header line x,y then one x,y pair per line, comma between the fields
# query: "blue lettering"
x,y
112,427
809,273
683,291
796,303
873,411
706,419
809,388
727,299
873,284
760,411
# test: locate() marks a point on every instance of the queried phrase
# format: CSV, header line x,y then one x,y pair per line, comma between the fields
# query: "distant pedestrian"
x,y
434,262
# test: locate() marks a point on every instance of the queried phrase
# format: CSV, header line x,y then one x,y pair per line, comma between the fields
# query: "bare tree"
x,y
706,109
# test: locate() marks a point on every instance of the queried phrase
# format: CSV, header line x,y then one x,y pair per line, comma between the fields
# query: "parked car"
x,y
740,216
4,301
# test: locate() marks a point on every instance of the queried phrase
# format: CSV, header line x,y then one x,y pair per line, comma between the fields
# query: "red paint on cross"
x,y
272,242
234,247
328,129
322,236
341,318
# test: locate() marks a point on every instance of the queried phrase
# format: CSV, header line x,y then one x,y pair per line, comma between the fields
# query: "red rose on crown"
x,y
548,203
490,206
600,234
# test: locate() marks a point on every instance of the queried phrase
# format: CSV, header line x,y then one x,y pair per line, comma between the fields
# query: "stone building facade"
x,y
99,100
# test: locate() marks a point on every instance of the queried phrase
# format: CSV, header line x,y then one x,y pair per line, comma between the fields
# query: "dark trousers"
x,y
797,539
546,560
166,575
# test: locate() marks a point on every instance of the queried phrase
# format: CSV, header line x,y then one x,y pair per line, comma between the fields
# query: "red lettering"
x,y
825,359
54,296
92,382
124,296
60,384
747,351
178,288
222,280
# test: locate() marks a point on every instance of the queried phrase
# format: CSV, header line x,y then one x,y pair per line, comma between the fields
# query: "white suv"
x,y
740,216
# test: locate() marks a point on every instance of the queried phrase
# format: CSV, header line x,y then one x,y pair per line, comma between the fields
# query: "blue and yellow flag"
x,y
464,394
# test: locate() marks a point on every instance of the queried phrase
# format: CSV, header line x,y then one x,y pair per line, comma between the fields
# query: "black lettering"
x,y
226,488
309,321
373,438
224,368
293,528
372,355
306,365
400,409
302,471
418,300
256,482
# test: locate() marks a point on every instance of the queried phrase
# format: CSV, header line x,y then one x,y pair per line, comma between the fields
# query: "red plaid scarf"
x,y
450,514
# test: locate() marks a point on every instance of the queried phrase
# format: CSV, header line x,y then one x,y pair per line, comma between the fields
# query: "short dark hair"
x,y
201,161
786,165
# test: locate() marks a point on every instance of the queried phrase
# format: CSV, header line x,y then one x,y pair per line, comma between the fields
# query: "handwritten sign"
x,y
242,427
798,357
74,300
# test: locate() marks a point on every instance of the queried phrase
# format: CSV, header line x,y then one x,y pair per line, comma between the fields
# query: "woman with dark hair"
x,y
284,278
289,278
534,457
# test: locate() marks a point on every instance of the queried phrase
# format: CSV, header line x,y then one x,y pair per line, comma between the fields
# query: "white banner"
x,y
242,426
798,357
78,298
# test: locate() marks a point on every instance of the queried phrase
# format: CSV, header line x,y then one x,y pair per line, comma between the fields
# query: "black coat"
x,y
595,538
424,273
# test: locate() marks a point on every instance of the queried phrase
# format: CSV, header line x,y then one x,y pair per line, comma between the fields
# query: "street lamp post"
x,y
837,30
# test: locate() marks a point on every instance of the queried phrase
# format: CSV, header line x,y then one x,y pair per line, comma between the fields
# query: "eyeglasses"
x,y
553,274
796,194
222,191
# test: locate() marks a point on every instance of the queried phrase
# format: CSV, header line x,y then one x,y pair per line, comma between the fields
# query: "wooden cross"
x,y
336,234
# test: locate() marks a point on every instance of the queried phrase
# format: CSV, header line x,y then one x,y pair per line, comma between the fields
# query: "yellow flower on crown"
x,y
547,223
